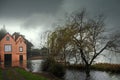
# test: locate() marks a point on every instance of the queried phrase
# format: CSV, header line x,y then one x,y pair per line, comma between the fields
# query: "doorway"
x,y
7,60
21,58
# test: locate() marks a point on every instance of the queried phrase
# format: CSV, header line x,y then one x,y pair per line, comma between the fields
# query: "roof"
x,y
16,35
5,35
20,39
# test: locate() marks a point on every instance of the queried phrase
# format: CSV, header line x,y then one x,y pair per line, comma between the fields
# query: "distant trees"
x,y
3,32
82,36
44,51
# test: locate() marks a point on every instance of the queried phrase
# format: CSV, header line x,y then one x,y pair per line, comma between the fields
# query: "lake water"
x,y
35,66
95,75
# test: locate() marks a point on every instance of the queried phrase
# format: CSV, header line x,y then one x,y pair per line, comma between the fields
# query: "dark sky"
x,y
38,16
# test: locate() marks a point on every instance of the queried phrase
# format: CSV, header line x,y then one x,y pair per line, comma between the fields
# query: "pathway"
x,y
11,74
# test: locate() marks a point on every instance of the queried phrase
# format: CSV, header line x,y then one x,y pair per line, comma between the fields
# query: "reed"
x,y
106,67
98,66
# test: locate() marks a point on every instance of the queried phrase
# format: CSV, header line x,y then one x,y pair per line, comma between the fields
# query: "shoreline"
x,y
108,67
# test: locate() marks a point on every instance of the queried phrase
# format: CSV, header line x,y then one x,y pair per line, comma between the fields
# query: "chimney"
x,y
14,37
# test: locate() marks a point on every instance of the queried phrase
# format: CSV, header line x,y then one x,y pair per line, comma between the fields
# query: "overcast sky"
x,y
33,17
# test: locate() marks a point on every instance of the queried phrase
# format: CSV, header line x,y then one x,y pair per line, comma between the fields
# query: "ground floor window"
x,y
8,48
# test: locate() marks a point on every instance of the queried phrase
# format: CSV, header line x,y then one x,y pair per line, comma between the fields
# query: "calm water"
x,y
35,66
95,75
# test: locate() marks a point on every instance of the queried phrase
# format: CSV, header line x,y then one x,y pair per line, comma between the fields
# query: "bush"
x,y
49,65
57,70
46,64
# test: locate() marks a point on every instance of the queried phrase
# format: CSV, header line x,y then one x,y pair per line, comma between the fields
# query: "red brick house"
x,y
12,50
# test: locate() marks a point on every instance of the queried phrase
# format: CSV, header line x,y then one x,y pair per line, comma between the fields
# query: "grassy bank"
x,y
99,66
107,67
21,74
29,75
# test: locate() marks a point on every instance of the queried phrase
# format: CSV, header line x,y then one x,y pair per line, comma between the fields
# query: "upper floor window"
x,y
8,48
21,49
7,38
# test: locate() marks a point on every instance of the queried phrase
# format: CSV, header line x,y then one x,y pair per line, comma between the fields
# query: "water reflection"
x,y
22,64
95,75
35,66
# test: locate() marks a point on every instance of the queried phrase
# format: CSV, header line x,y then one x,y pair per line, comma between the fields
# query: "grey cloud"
x,y
41,14
23,8
43,21
110,8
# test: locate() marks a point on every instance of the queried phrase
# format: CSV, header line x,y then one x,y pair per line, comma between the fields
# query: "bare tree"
x,y
87,34
91,39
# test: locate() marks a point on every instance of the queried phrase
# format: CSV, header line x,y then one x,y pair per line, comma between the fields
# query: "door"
x,y
8,60
21,58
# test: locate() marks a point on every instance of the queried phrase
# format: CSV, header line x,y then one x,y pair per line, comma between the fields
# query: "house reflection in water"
x,y
12,51
22,64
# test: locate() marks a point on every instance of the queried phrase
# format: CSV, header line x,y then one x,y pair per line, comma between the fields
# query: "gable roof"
x,y
15,35
5,35
20,38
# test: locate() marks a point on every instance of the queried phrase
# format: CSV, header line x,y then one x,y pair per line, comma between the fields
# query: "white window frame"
x,y
8,48
21,49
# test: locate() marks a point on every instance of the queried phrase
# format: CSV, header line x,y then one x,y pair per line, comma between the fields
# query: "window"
x,y
8,48
21,49
7,38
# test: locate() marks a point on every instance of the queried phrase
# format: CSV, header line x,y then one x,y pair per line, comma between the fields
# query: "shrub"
x,y
46,64
57,69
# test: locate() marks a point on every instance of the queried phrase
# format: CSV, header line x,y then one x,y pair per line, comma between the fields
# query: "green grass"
x,y
29,75
12,75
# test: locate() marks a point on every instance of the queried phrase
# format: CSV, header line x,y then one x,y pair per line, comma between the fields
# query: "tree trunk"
x,y
87,70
